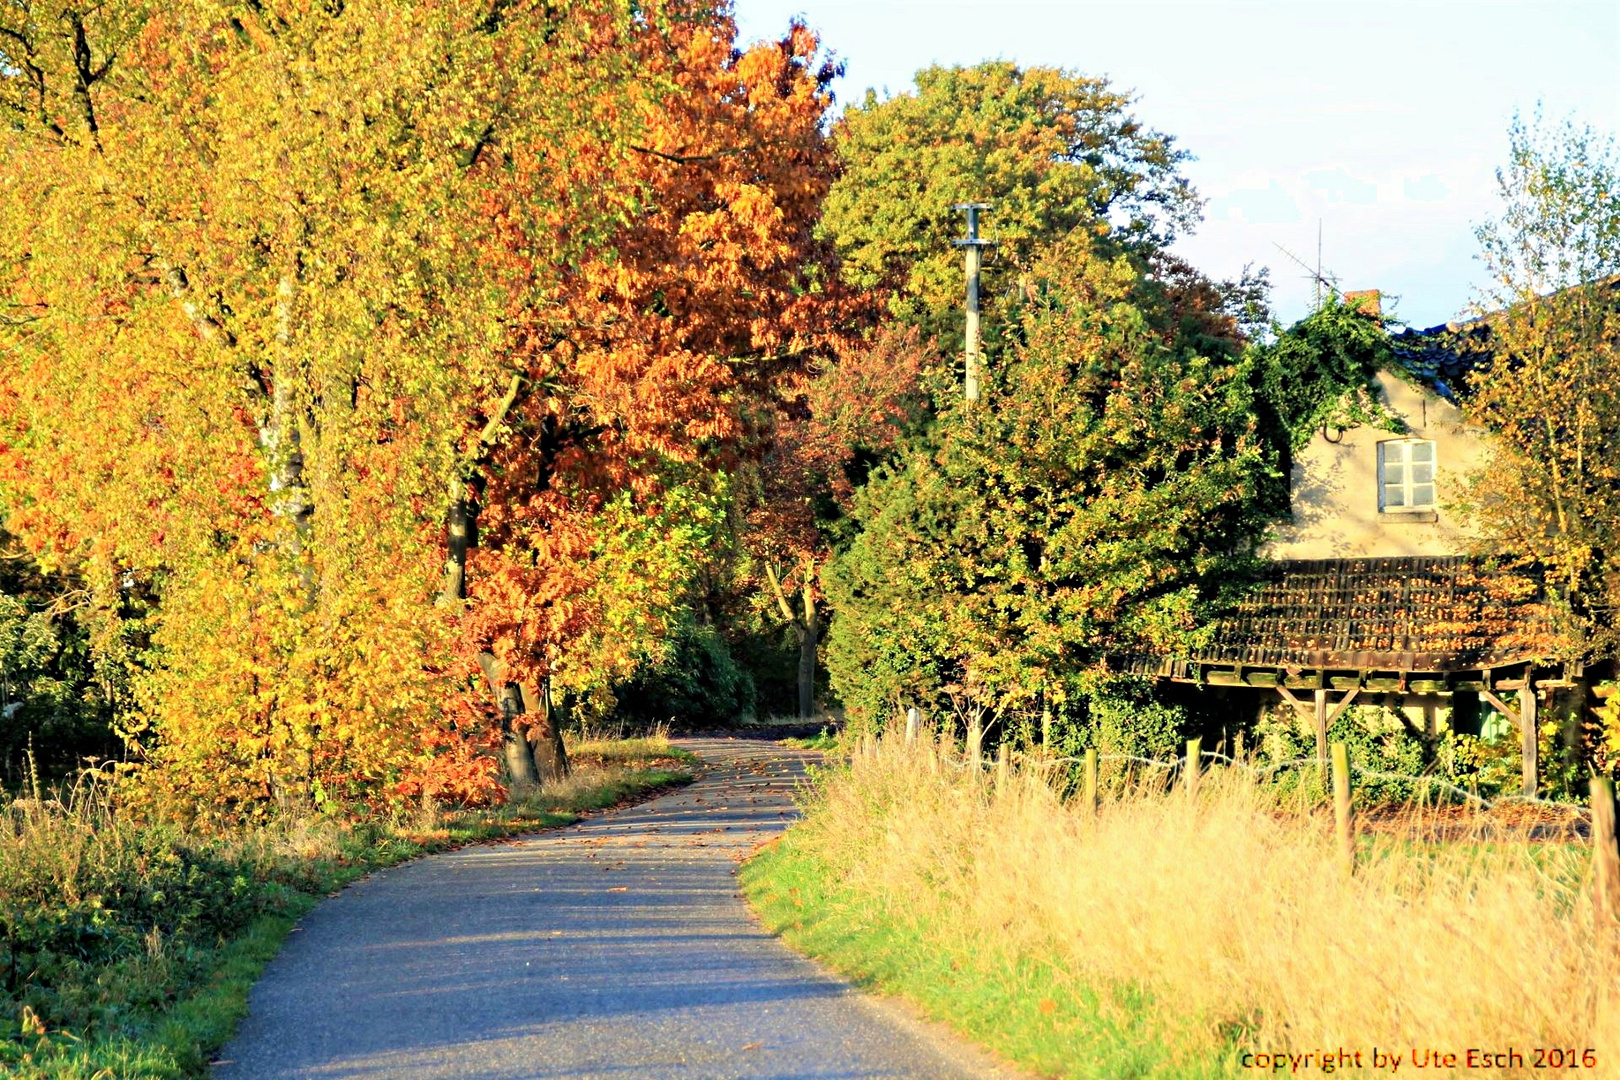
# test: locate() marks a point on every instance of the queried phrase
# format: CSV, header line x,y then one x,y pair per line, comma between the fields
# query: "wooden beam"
x,y
1288,695
1347,682
1429,686
1321,724
1344,703
1524,718
1527,740
1501,706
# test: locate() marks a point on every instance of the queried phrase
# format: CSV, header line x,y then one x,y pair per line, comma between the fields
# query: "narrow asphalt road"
x,y
616,948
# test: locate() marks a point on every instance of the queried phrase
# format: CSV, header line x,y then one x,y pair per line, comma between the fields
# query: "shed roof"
x,y
1393,614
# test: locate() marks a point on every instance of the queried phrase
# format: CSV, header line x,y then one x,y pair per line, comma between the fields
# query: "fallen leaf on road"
x,y
753,1046
620,888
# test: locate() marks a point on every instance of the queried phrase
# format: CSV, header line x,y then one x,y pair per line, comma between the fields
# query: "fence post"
x,y
1001,768
1093,796
1341,807
1605,860
913,722
975,745
1189,778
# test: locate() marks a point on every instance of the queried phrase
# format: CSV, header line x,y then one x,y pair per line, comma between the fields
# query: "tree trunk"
x,y
550,757
458,527
514,748
809,631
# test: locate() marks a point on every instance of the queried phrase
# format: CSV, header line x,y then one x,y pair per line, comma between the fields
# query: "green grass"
x,y
136,946
638,751
827,740
1028,1010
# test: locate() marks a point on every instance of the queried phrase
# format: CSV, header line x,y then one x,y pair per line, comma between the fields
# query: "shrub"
x,y
698,684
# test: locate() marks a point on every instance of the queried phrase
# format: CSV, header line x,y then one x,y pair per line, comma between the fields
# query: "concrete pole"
x,y
974,252
971,377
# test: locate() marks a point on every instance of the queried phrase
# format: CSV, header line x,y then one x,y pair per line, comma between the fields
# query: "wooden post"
x,y
1002,767
1605,861
913,723
1093,796
1189,778
1046,723
1321,726
1341,807
1527,736
975,744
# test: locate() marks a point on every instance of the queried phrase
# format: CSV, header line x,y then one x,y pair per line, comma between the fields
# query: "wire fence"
x,y
1423,782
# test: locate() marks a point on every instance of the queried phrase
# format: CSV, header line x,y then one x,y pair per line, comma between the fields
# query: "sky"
x,y
1379,124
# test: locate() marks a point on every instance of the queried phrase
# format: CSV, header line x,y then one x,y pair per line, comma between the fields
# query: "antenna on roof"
x,y
1322,280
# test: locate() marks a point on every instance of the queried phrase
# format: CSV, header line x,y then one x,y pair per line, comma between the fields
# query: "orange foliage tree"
x,y
594,518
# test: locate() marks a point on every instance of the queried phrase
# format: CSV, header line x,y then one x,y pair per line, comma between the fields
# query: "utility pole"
x,y
974,250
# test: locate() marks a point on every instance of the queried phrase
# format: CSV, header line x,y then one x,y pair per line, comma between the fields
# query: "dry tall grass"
x,y
1230,910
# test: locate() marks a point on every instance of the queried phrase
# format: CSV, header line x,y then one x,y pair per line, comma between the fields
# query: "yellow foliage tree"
x,y
253,340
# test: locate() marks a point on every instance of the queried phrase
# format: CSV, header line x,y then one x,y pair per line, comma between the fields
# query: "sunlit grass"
x,y
1165,934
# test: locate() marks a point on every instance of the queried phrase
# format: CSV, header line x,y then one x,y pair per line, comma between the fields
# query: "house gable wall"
x,y
1335,486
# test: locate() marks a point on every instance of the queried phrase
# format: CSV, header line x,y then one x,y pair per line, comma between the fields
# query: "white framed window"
x,y
1405,476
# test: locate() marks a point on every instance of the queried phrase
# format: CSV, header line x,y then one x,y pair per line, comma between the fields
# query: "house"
x,y
1372,594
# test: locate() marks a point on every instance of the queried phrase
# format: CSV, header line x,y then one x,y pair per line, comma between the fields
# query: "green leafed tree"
x,y
1092,504
1054,151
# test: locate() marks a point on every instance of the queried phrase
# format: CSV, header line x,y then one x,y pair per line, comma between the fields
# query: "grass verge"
x,y
129,950
1169,935
1028,1010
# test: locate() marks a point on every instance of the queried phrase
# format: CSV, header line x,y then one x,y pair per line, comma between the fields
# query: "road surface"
x,y
616,948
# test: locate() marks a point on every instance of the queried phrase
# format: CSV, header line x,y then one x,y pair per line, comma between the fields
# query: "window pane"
x,y
1423,472
1422,494
1422,451
1394,495
1394,471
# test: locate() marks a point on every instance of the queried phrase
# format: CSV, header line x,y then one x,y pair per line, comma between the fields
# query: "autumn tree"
x,y
833,424
1550,389
292,292
713,293
1095,502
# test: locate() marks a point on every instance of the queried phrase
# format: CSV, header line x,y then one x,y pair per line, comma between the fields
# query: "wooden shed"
x,y
1322,632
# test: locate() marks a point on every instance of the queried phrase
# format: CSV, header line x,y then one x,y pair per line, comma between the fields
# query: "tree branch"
x,y
692,159
210,329
781,597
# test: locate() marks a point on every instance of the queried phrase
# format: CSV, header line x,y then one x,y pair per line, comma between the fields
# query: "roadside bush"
x,y
698,684
84,894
